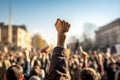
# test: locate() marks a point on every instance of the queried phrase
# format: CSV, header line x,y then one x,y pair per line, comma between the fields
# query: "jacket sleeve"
x,y
27,70
59,65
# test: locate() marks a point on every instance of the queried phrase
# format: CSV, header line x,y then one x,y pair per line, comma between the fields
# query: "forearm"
x,y
101,66
85,63
27,68
61,40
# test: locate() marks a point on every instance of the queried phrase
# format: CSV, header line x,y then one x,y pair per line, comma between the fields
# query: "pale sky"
x,y
39,16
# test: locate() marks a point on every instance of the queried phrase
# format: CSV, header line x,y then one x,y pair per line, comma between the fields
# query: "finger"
x,y
67,26
63,23
58,21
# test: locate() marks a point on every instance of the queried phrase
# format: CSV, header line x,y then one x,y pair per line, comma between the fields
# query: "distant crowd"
x,y
57,63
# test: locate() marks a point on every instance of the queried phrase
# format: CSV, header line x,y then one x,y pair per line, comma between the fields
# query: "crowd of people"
x,y
58,63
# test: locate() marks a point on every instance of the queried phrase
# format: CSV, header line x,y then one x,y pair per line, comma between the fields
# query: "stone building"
x,y
16,36
108,35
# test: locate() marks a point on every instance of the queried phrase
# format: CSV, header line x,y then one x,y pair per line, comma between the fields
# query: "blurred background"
x,y
95,24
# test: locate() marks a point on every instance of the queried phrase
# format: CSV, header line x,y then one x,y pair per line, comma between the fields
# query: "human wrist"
x,y
61,39
61,33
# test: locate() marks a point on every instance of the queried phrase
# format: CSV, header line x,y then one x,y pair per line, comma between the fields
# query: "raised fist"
x,y
62,26
84,55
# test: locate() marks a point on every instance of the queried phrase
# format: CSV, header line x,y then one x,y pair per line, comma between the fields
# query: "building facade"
x,y
108,35
16,36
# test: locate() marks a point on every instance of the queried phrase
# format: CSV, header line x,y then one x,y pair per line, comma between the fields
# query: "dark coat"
x,y
59,65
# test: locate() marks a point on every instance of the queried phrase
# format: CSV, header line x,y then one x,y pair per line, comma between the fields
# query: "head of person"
x,y
88,74
3,68
35,71
34,78
14,72
37,63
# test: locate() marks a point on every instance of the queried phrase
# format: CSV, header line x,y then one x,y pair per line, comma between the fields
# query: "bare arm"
x,y
62,28
100,59
85,58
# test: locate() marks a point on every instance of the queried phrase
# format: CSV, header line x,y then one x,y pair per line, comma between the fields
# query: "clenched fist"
x,y
62,26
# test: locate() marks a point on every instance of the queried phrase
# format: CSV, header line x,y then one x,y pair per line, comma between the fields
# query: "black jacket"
x,y
59,65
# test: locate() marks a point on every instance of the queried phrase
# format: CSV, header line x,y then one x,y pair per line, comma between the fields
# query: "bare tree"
x,y
88,36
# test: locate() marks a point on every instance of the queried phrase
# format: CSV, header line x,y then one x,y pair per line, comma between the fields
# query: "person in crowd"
x,y
59,63
4,66
35,71
14,72
88,74
26,68
37,63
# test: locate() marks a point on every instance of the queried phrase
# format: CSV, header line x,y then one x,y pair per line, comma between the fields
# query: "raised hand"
x,y
26,52
62,26
84,54
85,57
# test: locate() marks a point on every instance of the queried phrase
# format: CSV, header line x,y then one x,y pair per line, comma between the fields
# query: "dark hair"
x,y
88,74
14,72
35,71
37,63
